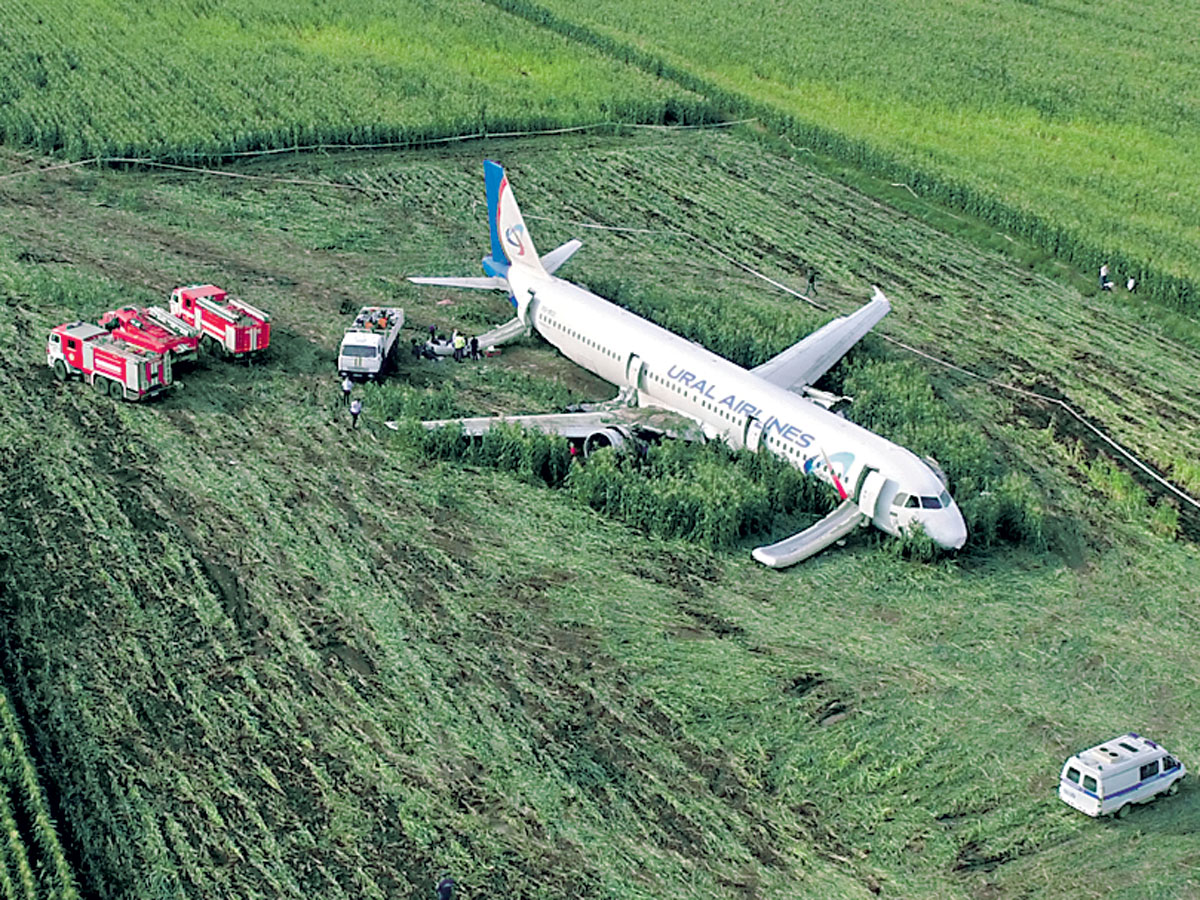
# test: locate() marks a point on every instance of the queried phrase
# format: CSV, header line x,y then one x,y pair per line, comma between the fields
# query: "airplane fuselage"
x,y
890,484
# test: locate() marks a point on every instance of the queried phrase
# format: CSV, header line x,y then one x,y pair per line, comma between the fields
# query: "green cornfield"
x,y
89,78
1074,126
33,865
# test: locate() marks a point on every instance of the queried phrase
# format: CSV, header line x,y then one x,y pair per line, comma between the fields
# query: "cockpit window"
x,y
913,502
931,503
901,499
945,498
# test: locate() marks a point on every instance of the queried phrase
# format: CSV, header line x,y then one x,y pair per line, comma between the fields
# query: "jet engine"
x,y
610,436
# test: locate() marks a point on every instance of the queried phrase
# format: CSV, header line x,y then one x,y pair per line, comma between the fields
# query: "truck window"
x,y
1169,763
1149,770
1073,775
1089,783
72,343
359,350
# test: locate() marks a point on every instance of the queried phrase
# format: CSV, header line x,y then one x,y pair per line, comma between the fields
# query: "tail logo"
x,y
515,236
831,468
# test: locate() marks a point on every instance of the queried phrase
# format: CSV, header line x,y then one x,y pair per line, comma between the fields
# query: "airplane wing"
x,y
813,539
479,283
639,421
553,260
803,363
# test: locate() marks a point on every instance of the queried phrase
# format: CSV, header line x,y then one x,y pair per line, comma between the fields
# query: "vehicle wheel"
x,y
1122,812
60,370
116,390
1173,789
100,384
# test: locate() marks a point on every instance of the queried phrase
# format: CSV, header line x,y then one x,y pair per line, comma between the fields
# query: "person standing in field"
x,y
1130,284
460,344
355,409
445,888
347,386
812,283
1105,284
475,346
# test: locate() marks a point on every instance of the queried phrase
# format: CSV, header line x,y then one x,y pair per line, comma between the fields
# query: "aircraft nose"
x,y
947,528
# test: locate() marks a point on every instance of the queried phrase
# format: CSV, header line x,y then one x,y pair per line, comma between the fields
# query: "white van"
x,y
1110,777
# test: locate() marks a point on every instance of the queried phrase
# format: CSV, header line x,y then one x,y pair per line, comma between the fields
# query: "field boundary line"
x,y
378,145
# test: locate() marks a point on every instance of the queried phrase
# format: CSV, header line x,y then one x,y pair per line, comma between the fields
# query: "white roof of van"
x,y
1125,748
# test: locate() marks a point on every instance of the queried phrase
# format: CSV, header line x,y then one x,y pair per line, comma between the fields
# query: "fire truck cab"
x,y
229,326
113,367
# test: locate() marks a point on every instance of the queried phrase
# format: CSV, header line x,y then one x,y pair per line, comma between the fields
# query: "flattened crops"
x,y
264,656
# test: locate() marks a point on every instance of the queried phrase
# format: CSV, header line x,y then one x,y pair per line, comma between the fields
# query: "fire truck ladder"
x,y
205,303
243,305
172,323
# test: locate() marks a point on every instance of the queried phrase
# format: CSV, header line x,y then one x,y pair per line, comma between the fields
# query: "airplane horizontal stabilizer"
x,y
479,283
553,260
814,539
803,363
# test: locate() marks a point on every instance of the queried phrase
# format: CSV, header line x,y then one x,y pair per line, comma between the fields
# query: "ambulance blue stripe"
x,y
1078,787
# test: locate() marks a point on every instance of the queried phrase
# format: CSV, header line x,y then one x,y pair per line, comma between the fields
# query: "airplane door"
x,y
633,371
752,432
526,307
869,490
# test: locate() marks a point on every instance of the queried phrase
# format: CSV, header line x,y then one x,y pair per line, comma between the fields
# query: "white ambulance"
x,y
1109,778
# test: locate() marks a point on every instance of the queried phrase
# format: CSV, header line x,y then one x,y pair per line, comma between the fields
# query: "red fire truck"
x,y
153,328
112,366
233,327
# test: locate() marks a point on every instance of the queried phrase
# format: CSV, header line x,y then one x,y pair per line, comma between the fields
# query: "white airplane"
x,y
771,407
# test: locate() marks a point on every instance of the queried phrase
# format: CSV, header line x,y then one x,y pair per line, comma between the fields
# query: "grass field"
x,y
264,656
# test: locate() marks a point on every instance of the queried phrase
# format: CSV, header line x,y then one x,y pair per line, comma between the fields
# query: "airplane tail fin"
x,y
511,243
